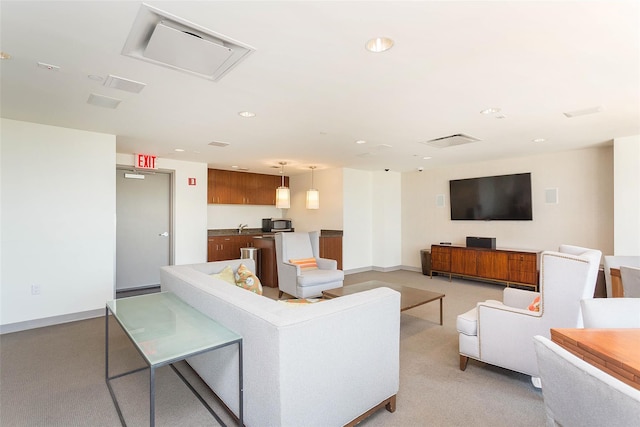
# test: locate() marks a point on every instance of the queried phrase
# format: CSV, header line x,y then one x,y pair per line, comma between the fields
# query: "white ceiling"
x,y
315,90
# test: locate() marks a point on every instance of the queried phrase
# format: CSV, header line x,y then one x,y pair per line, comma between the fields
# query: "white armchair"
x,y
630,277
605,313
302,282
501,333
578,394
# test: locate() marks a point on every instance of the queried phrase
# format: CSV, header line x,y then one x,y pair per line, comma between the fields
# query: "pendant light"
x,y
283,201
313,195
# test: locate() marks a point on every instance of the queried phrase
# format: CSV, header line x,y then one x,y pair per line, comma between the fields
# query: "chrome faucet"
x,y
241,227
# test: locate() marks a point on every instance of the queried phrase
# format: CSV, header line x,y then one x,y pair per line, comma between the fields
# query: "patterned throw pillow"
x,y
226,274
247,280
535,304
305,263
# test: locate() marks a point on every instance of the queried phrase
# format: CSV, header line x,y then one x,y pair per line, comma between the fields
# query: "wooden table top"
x,y
409,297
615,351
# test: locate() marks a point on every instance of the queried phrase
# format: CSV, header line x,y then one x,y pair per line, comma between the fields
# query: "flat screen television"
x,y
503,197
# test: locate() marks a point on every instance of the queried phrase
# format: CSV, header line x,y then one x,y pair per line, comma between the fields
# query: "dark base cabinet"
x,y
500,265
268,266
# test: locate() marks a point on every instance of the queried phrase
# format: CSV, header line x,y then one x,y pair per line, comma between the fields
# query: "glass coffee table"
x,y
409,297
164,329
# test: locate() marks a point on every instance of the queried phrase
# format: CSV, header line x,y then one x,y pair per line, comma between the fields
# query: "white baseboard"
x,y
50,321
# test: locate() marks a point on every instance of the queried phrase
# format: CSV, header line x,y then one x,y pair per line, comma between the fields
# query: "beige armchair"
x,y
630,281
501,333
606,313
303,279
578,394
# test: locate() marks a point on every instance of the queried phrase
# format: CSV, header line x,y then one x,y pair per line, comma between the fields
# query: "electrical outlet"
x,y
35,289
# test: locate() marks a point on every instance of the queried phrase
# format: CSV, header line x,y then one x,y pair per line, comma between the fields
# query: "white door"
x,y
143,234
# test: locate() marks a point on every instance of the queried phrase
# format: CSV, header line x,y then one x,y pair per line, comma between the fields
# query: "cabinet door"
x,y
523,268
331,248
222,187
463,261
493,265
440,258
220,249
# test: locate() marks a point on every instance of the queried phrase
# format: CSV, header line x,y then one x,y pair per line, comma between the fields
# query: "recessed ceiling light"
x,y
379,44
246,114
490,111
235,167
427,158
539,140
179,150
4,55
361,141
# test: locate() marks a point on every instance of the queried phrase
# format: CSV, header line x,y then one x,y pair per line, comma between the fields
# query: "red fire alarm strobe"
x,y
145,161
192,181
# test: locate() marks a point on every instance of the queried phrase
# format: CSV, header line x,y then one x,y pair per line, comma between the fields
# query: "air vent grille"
x,y
219,143
451,140
169,41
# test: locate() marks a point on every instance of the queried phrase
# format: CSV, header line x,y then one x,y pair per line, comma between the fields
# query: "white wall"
x,y
387,216
189,203
357,241
58,221
329,182
627,195
583,216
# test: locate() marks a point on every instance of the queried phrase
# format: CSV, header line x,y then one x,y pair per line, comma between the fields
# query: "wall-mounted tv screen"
x,y
504,197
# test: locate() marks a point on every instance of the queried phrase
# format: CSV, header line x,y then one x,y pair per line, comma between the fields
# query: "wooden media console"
x,y
512,267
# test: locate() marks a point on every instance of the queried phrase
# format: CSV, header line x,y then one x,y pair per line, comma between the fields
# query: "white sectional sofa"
x,y
322,364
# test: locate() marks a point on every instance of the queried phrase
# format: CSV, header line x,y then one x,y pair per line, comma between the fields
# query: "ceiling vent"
x,y
451,140
219,143
115,82
164,39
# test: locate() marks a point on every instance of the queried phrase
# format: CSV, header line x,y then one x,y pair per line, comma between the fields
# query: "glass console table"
x,y
165,330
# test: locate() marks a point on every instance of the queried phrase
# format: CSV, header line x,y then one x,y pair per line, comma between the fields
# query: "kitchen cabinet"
x,y
501,265
242,188
268,266
331,248
220,248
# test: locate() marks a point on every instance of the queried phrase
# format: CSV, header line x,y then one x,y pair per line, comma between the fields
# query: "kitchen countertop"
x,y
257,232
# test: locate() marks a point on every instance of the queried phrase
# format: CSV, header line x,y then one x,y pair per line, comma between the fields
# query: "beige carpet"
x,y
54,376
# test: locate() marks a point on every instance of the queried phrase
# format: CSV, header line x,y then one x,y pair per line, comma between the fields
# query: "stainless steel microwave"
x,y
276,224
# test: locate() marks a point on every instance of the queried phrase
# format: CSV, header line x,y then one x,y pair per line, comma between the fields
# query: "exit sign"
x,y
145,161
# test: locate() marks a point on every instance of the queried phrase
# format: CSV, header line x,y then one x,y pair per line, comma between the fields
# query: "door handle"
x,y
165,234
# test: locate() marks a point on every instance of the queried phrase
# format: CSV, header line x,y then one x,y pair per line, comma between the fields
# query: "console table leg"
x,y
152,396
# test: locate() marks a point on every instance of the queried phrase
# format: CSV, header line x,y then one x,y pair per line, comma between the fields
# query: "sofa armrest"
x,y
327,264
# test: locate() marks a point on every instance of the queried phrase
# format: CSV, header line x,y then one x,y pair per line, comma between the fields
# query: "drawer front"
x,y
440,258
523,268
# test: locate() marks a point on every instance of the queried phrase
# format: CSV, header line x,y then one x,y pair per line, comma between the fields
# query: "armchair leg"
x,y
280,294
463,362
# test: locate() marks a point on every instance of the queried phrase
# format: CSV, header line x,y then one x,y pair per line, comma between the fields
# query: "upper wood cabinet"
x,y
242,188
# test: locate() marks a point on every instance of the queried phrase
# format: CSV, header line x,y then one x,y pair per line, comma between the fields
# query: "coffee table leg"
x,y
441,311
